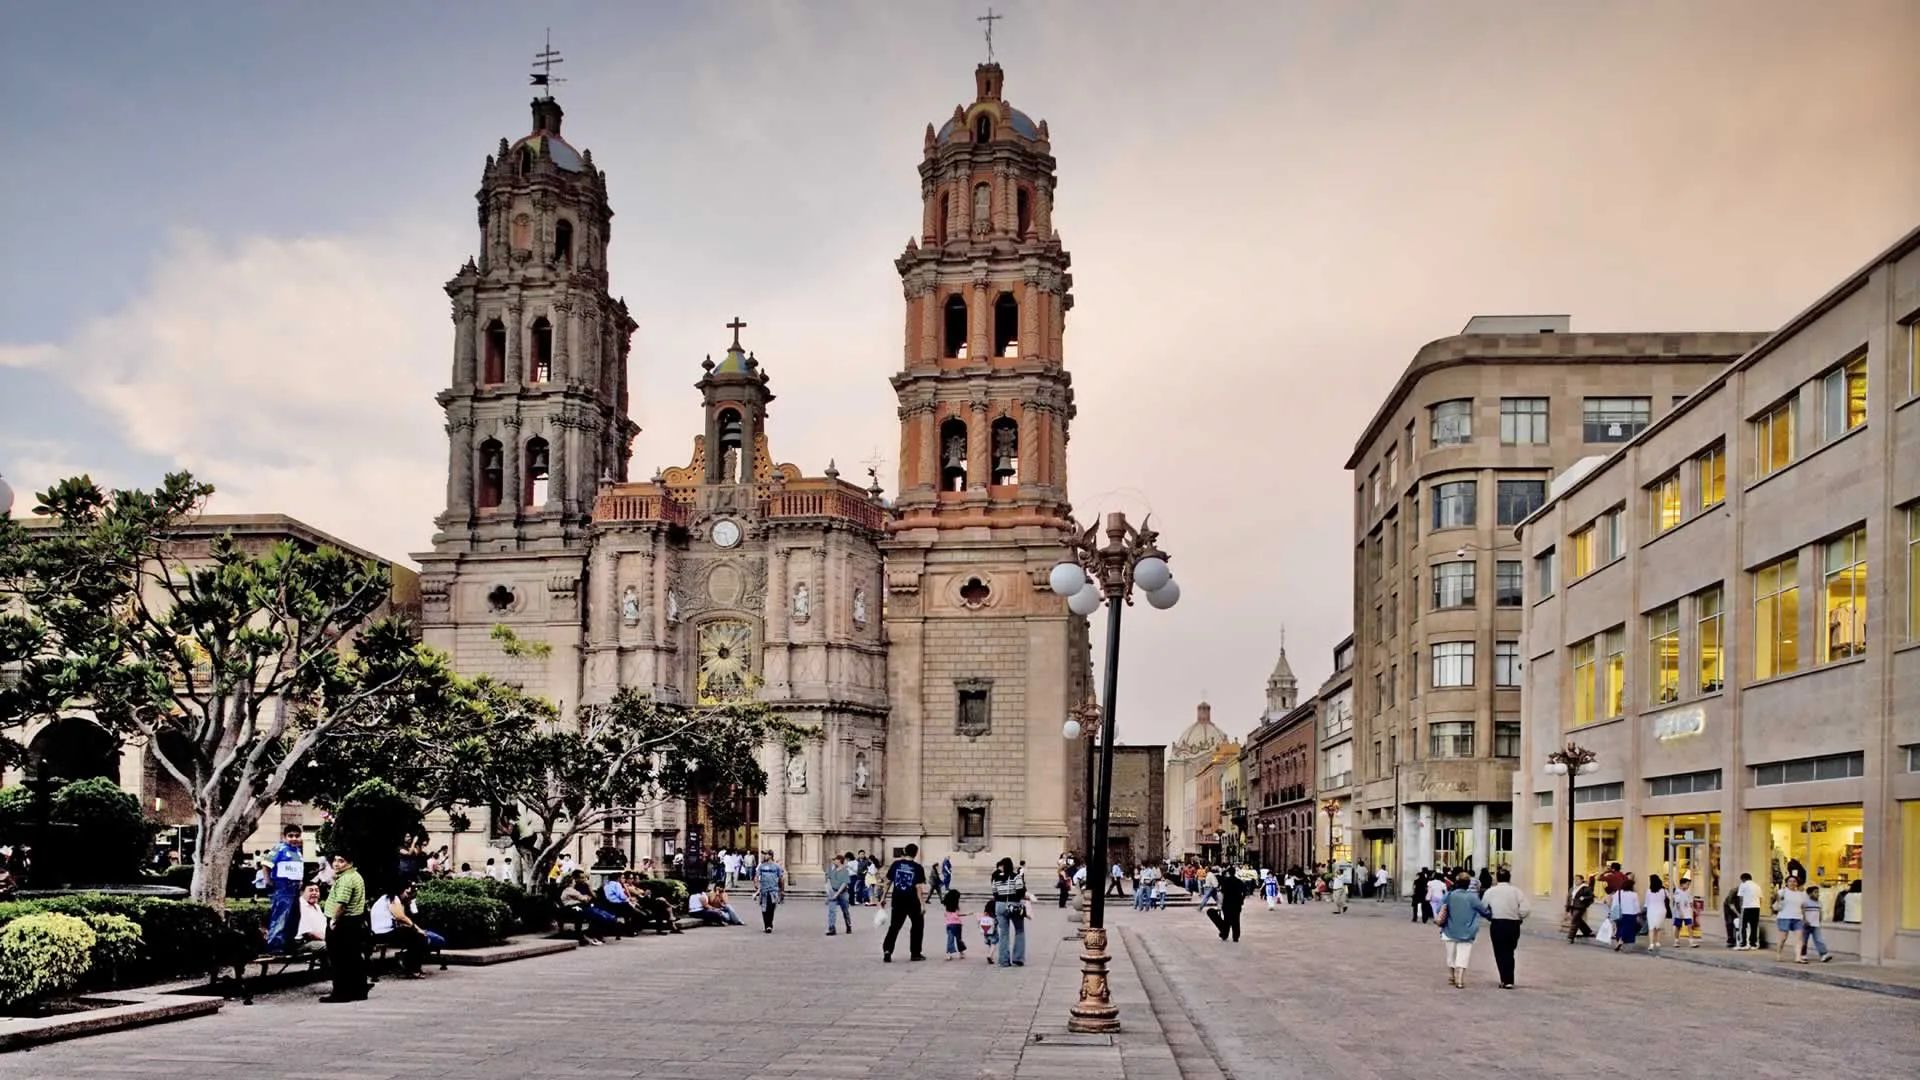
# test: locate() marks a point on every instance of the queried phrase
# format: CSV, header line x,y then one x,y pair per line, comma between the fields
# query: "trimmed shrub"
x,y
530,913
109,829
465,921
116,946
43,955
370,827
177,937
672,890
250,916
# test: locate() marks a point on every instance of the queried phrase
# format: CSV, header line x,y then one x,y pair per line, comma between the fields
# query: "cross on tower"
x,y
544,60
989,18
736,326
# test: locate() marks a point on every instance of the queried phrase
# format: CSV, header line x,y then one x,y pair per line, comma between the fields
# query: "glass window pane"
x,y
1710,473
1452,423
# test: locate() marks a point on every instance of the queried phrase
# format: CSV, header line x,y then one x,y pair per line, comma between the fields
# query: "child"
x,y
956,925
987,933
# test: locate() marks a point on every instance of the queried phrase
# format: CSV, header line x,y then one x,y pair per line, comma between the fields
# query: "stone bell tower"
x,y
536,411
984,661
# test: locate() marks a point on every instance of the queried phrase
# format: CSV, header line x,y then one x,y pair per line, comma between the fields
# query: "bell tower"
x,y
537,409
984,661
735,395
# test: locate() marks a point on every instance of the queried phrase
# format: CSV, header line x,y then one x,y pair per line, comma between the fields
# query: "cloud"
x,y
291,373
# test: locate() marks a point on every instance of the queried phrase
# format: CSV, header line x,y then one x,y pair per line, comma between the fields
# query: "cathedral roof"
x,y
1282,669
553,146
734,363
1200,738
1023,125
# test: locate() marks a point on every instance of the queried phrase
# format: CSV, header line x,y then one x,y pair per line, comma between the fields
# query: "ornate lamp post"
x,y
1571,763
1083,722
1096,574
1330,807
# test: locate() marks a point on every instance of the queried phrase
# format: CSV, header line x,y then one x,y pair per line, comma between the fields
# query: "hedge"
x,y
42,955
465,921
672,890
530,913
177,937
116,946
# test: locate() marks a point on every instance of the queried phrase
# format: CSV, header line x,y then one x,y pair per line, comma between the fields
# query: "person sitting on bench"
x,y
577,907
654,911
311,936
711,911
393,926
616,899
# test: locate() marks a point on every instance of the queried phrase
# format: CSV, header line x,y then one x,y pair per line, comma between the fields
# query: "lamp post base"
x,y
1095,1013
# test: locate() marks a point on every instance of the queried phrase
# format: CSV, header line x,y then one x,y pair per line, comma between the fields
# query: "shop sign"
x,y
1680,723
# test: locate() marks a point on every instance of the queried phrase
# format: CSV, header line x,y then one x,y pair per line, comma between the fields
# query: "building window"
x,y
1518,499
1806,770
1003,440
1453,505
1663,503
1845,391
1543,572
1776,618
1710,473
1711,627
1373,486
1393,682
1616,685
1773,438
1452,664
540,368
1824,842
1393,542
1583,673
1582,544
1506,738
1452,585
1507,583
1006,325
1453,739
973,824
1614,420
1393,469
533,492
1523,421
1683,783
1913,573
1913,359
1506,665
1844,597
954,453
1593,793
491,477
494,364
1413,602
973,716
1663,655
956,328
1611,541
1452,423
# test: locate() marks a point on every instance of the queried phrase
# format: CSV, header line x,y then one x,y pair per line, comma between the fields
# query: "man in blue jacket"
x,y
288,872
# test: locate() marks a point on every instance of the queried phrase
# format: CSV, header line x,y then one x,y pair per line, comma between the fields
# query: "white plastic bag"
x,y
880,917
1604,932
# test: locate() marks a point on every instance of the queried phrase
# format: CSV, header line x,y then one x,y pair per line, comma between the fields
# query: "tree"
x,y
252,660
373,823
111,837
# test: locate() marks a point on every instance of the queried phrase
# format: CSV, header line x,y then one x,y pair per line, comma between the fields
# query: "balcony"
x,y
1337,782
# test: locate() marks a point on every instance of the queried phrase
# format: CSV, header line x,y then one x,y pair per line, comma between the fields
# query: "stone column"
x,y
961,206
510,483
562,335
1043,209
516,329
814,814
459,454
560,449
465,344
980,324
1482,853
929,424
930,302
653,599
978,465
1002,201
1029,447
604,597
1030,302
773,805
929,207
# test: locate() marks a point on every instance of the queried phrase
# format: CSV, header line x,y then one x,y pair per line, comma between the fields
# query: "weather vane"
x,y
989,18
544,60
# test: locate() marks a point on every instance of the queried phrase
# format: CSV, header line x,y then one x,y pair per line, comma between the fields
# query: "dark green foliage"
x,y
111,834
672,890
530,912
465,921
178,937
371,826
16,815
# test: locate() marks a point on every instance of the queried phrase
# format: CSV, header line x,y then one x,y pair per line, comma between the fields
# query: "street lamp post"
x,y
1571,763
1083,722
1095,574
1330,807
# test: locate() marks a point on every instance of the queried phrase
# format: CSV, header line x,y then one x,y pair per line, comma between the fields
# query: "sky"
x,y
231,224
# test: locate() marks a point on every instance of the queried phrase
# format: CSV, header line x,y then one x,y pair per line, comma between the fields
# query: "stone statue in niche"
x,y
796,774
630,605
802,601
862,773
673,606
859,607
982,208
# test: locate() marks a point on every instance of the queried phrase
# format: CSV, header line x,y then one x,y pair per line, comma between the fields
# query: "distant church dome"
x,y
1201,737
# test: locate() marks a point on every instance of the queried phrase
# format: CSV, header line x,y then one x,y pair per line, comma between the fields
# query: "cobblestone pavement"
x,y
1310,994
711,1004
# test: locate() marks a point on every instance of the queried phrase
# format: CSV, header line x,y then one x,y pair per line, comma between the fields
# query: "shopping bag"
x,y
880,918
1604,932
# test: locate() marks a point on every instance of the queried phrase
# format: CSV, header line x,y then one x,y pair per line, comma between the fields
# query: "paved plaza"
x,y
1305,994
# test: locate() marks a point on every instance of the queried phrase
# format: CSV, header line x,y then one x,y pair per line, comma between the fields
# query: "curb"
x,y
132,1010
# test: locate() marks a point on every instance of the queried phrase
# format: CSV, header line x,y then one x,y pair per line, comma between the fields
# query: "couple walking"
x,y
1459,913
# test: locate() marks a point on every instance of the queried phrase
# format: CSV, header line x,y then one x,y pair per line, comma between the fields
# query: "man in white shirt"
x,y
1508,908
1382,885
1749,894
312,931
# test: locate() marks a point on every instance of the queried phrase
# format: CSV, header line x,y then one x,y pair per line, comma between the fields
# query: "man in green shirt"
x,y
350,933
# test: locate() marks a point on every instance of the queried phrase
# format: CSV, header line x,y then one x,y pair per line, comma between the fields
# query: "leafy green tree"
x,y
253,660
110,837
371,826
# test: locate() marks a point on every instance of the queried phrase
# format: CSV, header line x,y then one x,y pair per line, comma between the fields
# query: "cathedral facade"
x,y
918,636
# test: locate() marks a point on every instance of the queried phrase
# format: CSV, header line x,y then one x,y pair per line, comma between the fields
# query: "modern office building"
x,y
1461,451
1335,769
1726,610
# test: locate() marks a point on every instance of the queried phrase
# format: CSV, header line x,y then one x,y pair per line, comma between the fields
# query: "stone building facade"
x,y
1281,768
1136,821
1460,451
1185,758
1726,610
1334,767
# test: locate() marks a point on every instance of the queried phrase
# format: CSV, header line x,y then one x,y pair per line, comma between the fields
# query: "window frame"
x,y
1710,475
1784,593
1546,570
1507,663
1581,540
1782,414
1464,574
1663,655
1717,618
1443,498
1585,655
1665,510
1913,572
1837,389
1518,583
1512,418
1457,657
1454,418
1850,545
1615,685
1446,737
1501,500
1507,734
1603,412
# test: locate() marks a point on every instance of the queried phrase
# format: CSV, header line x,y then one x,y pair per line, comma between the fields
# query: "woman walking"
x,y
1624,910
1459,913
1010,913
1658,905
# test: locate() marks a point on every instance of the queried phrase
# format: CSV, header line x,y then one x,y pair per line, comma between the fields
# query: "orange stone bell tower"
x,y
984,660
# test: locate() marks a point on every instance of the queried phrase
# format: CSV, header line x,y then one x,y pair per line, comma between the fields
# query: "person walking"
x,y
1578,901
1624,910
1749,894
1339,893
1010,913
1233,896
349,935
906,884
1810,927
1686,921
1507,908
1459,913
1658,907
839,891
1789,909
769,880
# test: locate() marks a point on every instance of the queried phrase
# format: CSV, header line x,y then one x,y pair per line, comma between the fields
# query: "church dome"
x,y
564,156
1021,123
1201,737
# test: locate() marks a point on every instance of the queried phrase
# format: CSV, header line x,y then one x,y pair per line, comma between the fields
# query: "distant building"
x,y
1185,758
1334,770
1137,813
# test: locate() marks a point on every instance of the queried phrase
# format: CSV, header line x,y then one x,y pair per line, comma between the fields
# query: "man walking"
x,y
770,881
1507,907
1749,894
839,884
906,883
1233,894
350,934
289,870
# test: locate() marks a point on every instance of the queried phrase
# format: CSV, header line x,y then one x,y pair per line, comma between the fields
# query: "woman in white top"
x,y
1624,907
1789,913
1655,903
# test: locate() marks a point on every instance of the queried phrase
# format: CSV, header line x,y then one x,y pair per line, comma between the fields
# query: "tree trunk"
x,y
211,863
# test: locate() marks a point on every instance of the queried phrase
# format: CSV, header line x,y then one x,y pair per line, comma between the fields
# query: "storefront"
x,y
1686,846
1595,844
1821,845
1910,865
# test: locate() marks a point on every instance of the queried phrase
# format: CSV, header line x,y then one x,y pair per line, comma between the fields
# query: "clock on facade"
x,y
725,533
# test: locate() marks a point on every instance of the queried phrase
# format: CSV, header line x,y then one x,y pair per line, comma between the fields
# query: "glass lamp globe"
x,y
1557,768
1151,573
1070,729
1165,596
1066,579
1086,601
1591,766
6,496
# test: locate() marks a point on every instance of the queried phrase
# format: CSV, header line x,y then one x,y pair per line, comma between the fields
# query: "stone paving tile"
x,y
721,1004
1308,993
